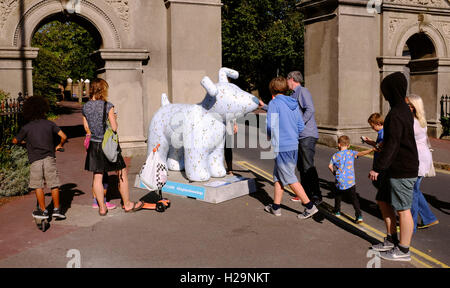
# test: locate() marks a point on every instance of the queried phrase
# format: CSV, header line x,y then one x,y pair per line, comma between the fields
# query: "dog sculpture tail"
x,y
164,100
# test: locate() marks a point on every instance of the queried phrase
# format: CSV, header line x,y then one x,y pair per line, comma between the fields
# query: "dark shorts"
x,y
96,161
383,188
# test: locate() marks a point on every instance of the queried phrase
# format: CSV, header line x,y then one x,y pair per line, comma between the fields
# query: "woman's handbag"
x,y
431,171
87,141
110,144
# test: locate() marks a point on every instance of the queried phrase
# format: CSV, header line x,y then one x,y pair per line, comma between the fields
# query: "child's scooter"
x,y
153,201
42,224
156,172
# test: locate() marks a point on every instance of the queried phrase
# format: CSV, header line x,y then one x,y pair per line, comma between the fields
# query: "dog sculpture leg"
x,y
196,164
175,159
215,161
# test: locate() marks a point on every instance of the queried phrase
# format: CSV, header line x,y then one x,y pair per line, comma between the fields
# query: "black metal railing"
x,y
445,115
11,118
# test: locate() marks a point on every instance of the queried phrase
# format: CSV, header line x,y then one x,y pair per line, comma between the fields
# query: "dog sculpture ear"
x,y
224,73
209,86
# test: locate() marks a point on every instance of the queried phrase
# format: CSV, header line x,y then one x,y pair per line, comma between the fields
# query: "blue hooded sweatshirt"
x,y
284,123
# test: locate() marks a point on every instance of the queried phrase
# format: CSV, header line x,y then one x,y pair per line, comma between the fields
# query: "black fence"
x,y
445,106
445,115
11,119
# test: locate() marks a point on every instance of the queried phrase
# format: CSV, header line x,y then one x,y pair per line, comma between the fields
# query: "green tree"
x,y
65,49
261,39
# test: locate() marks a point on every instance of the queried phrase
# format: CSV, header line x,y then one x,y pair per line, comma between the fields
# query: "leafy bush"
x,y
3,95
14,171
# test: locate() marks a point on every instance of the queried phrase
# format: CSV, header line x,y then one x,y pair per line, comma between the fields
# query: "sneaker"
x,y
269,209
395,254
359,220
317,200
110,206
39,214
385,246
296,199
422,226
308,213
57,214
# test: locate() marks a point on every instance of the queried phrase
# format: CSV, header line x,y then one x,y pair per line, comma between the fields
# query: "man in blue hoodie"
x,y
284,124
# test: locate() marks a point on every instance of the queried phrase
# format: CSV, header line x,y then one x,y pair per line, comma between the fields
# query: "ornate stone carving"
x,y
394,24
446,30
6,7
123,10
429,3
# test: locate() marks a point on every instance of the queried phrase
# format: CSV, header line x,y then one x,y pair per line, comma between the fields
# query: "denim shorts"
x,y
284,170
44,169
402,193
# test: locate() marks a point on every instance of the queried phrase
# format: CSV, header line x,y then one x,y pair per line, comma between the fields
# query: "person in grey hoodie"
x,y
284,124
307,138
398,159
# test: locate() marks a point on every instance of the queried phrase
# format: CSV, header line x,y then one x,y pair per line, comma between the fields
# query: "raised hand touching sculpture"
x,y
192,135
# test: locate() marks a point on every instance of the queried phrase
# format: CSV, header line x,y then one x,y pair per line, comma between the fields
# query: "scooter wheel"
x,y
160,207
43,225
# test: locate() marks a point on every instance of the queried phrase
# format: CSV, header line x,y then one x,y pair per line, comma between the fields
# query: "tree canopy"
x,y
261,39
65,49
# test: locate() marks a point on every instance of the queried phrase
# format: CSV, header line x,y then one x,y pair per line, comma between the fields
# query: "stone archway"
x,y
423,71
130,32
122,69
427,37
350,48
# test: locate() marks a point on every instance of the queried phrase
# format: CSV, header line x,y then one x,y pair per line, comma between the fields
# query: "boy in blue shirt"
x,y
284,124
344,161
375,121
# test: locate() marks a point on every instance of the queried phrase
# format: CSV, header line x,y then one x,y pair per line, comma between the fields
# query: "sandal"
x,y
134,209
102,214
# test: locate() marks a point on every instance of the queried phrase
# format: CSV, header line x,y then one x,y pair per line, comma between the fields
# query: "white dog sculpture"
x,y
192,135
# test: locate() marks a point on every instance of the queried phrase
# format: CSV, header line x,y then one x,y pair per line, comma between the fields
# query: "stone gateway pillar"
x,y
146,48
351,45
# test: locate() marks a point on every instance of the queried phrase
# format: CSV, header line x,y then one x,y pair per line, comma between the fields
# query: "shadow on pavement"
x,y
438,204
66,194
324,209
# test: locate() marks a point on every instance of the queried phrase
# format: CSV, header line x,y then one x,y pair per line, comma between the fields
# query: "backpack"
x,y
153,173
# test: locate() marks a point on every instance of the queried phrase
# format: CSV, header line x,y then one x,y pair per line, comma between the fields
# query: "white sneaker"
x,y
308,213
269,209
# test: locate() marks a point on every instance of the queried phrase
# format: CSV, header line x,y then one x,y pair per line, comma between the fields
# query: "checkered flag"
x,y
161,175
